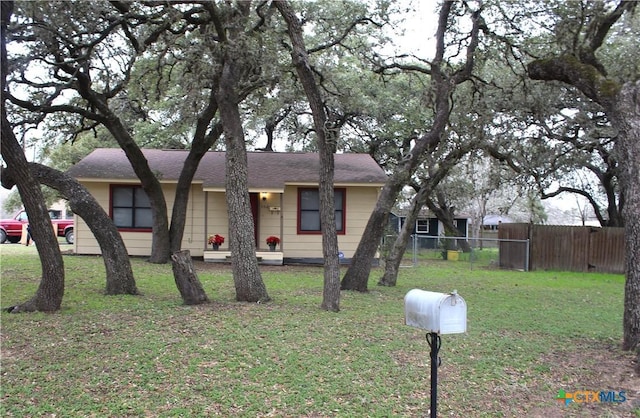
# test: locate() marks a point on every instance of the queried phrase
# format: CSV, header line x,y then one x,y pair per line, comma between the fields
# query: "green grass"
x,y
529,335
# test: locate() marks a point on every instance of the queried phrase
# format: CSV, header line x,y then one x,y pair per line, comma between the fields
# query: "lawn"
x,y
529,336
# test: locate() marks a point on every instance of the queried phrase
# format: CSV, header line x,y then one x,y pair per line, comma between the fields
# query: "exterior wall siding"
x,y
269,220
283,223
85,243
215,222
360,202
139,243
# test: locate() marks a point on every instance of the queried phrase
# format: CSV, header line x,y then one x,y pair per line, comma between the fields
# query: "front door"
x,y
254,201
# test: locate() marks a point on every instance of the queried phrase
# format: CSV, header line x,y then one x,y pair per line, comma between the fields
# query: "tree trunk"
x,y
626,115
394,258
621,103
202,142
444,85
392,263
331,287
50,292
120,280
423,195
327,132
357,275
160,239
246,274
186,279
446,216
49,295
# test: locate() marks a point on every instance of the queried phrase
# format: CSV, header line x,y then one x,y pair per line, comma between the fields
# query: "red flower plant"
x,y
273,240
216,239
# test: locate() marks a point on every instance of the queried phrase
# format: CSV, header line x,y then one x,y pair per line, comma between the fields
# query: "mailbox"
x,y
440,313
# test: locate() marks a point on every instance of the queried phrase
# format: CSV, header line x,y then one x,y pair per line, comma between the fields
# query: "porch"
x,y
273,258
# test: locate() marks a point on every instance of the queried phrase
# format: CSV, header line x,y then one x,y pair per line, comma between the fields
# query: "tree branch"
x,y
592,201
345,33
585,77
583,70
48,109
464,73
600,28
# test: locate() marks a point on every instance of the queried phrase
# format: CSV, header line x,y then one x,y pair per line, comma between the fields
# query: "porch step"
x,y
263,257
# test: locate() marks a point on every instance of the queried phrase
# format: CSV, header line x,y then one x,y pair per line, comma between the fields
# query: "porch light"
x,y
263,195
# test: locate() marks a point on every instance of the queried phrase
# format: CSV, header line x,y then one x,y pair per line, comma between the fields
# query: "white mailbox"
x,y
441,313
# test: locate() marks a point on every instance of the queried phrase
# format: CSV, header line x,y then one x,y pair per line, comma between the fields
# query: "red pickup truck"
x,y
11,229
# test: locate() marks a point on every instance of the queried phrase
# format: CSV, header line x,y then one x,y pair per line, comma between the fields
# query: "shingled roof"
x,y
267,170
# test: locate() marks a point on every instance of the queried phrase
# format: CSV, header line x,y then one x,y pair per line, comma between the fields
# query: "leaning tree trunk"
x,y
201,143
119,275
445,216
392,263
160,239
49,295
357,275
186,279
246,274
394,258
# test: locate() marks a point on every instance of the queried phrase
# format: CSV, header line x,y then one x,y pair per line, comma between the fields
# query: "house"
x,y
492,222
427,226
283,191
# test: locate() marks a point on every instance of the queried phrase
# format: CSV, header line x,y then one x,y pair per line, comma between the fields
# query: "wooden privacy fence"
x,y
569,248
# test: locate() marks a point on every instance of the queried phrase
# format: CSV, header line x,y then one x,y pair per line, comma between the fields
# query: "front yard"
x,y
529,336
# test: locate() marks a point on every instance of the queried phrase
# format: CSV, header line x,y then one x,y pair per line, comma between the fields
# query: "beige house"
x,y
283,189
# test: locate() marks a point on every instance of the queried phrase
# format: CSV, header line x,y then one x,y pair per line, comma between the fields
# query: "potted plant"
x,y
215,241
272,241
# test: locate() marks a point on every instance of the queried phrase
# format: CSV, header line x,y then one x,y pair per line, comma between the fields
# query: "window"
x,y
130,208
309,210
422,226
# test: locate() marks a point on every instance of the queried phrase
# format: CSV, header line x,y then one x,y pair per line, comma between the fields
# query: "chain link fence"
x,y
477,252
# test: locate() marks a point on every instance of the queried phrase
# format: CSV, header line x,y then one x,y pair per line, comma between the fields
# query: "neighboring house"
x,y
492,222
283,192
427,225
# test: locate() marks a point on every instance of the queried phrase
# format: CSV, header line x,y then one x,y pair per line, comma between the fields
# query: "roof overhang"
x,y
222,189
337,184
126,181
